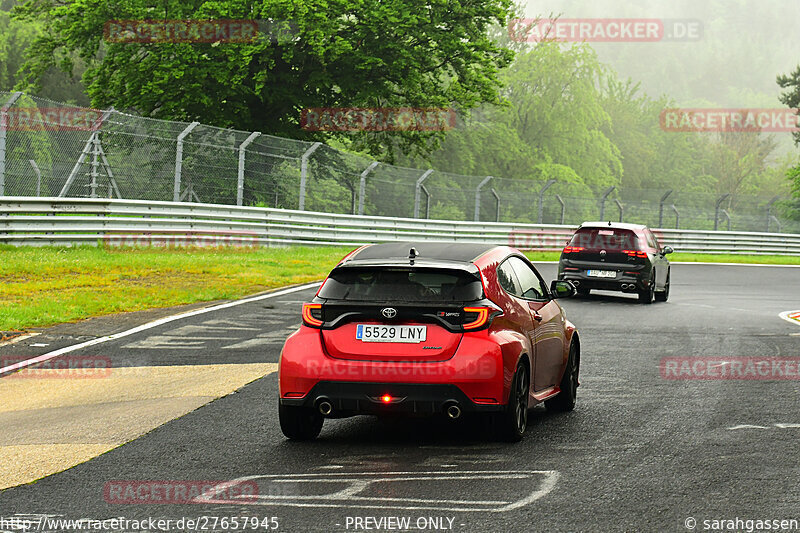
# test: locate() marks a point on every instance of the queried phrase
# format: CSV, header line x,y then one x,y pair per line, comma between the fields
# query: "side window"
x,y
529,282
508,280
652,241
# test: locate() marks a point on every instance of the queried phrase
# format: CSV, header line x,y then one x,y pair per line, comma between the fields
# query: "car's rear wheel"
x,y
648,294
566,399
663,296
510,425
299,423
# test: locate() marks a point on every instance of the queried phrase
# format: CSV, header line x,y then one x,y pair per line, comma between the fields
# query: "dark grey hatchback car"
x,y
617,257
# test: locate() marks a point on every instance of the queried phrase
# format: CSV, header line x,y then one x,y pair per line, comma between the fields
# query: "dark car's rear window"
x,y
606,239
402,284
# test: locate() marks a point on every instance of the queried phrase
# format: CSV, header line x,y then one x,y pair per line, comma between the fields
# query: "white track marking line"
x,y
785,316
347,498
150,325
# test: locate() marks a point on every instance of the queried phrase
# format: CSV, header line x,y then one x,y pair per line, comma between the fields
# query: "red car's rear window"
x,y
402,284
606,239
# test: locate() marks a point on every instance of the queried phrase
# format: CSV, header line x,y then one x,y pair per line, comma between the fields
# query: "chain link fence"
x,y
51,149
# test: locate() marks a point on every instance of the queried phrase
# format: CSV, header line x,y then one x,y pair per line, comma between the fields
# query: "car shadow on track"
x,y
437,431
608,298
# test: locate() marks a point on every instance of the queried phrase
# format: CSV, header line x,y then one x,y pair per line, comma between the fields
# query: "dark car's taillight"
x,y
635,253
312,315
572,249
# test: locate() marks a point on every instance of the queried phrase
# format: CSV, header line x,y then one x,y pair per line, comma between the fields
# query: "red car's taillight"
x,y
635,253
312,315
572,249
478,317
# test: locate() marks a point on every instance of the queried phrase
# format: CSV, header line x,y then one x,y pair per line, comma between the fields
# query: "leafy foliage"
x,y
341,53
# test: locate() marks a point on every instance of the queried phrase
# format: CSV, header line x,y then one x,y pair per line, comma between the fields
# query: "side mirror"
x,y
562,289
667,250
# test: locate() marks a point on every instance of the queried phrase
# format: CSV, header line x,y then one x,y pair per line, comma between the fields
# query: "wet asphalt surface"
x,y
639,453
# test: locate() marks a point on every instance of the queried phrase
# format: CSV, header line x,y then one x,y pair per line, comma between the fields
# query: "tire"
x,y
663,296
299,423
510,425
648,295
566,399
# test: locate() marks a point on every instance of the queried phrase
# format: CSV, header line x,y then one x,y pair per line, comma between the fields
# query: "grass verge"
x,y
44,286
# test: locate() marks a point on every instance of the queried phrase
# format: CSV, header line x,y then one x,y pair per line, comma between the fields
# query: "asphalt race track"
x,y
639,453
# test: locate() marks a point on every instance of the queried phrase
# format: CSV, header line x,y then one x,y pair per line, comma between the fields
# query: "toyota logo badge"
x,y
389,312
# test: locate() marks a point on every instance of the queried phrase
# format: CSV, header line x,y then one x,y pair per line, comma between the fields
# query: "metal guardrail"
x,y
31,221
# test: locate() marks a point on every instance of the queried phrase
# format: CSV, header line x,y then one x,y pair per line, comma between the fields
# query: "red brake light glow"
x,y
573,249
308,315
635,253
483,317
386,398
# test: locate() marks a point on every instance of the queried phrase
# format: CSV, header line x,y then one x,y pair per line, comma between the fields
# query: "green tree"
x,y
340,53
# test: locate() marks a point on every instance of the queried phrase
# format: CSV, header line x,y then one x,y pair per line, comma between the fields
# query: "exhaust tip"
x,y
453,411
325,407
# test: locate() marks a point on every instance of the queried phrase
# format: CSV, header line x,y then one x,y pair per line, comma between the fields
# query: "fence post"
x,y
176,190
496,205
95,163
661,208
418,192
677,216
777,222
769,211
3,127
716,210
240,181
603,201
621,208
362,186
725,212
541,198
303,171
478,198
38,177
563,207
427,201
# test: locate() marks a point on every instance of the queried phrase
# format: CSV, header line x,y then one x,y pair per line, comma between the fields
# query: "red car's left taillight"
x,y
312,315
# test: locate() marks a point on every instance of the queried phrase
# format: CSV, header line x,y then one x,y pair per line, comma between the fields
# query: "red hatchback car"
x,y
430,328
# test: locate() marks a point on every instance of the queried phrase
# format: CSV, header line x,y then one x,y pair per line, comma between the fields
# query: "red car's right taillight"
x,y
479,317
